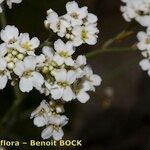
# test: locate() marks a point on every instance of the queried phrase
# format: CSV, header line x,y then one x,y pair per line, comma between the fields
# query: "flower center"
x,y
147,41
12,41
62,84
74,15
63,54
27,73
26,46
84,35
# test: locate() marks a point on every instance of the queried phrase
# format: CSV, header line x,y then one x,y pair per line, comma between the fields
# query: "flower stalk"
x,y
17,102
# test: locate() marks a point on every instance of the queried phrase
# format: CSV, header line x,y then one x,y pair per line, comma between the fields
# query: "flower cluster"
x,y
77,25
138,10
65,78
9,3
15,51
56,72
48,114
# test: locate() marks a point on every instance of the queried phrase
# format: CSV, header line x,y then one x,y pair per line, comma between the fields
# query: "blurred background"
x,y
117,117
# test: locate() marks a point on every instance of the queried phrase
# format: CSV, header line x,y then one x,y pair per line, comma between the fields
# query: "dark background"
x,y
117,117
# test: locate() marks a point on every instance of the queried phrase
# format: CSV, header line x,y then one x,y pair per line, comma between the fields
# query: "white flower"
x,y
79,63
26,45
61,88
85,34
92,79
47,115
82,94
56,23
63,53
138,10
3,50
4,75
41,114
45,59
91,19
29,78
55,128
75,14
145,65
10,35
10,2
144,42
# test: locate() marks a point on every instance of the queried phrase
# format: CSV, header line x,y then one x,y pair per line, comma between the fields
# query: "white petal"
x,y
58,59
60,75
68,94
71,76
83,12
2,64
59,45
35,42
145,64
71,6
48,51
30,63
38,80
3,81
45,105
83,97
19,68
69,48
40,121
77,41
69,61
80,61
58,134
47,132
3,49
56,93
141,36
26,84
141,46
92,18
91,40
96,80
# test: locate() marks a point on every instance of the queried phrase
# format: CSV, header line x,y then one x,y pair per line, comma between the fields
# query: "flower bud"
x,y
11,65
20,56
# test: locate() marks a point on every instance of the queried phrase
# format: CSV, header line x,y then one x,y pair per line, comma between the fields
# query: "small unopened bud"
x,y
46,24
9,55
8,59
11,65
20,56
60,109
71,37
68,36
52,103
14,52
13,83
51,68
45,70
15,60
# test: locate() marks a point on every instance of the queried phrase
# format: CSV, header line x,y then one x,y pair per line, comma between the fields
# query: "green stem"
x,y
3,17
104,50
18,100
121,36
